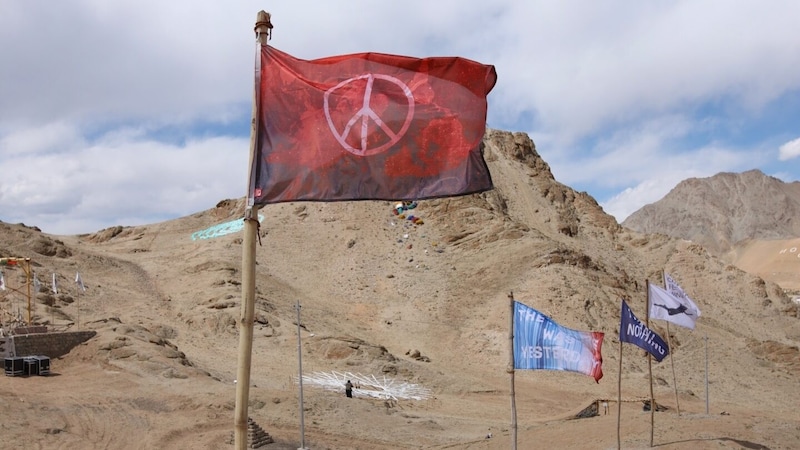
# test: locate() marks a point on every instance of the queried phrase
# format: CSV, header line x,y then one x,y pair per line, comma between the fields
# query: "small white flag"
x,y
79,282
2,282
665,306
55,285
671,286
36,284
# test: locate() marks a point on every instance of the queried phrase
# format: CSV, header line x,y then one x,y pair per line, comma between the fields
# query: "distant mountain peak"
x,y
720,211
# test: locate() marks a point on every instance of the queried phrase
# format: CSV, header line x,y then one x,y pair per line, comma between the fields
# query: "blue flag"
x,y
540,343
633,331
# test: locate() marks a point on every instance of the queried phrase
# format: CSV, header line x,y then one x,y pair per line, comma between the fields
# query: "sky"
x,y
135,112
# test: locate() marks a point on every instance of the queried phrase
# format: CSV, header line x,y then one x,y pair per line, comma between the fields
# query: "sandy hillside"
x,y
374,290
775,260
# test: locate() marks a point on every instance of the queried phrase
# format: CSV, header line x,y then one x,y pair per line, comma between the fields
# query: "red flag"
x,y
368,126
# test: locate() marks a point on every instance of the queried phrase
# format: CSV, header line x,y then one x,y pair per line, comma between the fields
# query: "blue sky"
x,y
134,112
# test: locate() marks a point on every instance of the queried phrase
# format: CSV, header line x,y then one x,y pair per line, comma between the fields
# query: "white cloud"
x,y
121,179
52,137
610,92
655,173
630,200
654,178
590,66
789,150
656,149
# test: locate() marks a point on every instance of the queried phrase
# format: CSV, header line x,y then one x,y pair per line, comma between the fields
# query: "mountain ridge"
x,y
749,219
721,211
374,289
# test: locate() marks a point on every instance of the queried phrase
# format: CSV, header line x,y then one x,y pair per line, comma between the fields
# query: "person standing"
x,y
348,389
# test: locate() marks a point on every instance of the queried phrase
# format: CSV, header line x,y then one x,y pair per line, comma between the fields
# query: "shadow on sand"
x,y
744,444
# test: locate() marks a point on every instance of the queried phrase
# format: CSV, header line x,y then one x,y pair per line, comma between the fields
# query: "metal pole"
x,y
248,271
300,377
706,373
27,269
78,307
78,303
672,363
650,365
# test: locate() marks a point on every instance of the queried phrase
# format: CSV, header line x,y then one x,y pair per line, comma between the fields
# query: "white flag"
x,y
79,282
666,306
36,284
671,286
2,282
55,286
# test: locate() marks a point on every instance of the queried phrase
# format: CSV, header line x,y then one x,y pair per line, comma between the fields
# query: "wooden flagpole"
x,y
669,344
674,379
619,392
650,364
510,370
706,339
300,380
78,300
250,231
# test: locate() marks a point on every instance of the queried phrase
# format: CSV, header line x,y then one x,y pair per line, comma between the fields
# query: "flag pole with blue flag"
x,y
633,331
539,343
650,366
510,370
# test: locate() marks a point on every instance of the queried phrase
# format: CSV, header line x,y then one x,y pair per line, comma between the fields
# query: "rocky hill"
x,y
722,211
749,219
422,301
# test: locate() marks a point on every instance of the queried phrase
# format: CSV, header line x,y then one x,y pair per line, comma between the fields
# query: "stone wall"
x,y
47,344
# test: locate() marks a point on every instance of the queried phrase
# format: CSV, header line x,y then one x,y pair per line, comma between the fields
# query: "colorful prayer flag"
x,y
368,126
541,343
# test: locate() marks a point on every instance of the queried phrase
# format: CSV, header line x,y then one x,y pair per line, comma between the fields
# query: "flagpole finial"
x,y
263,27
